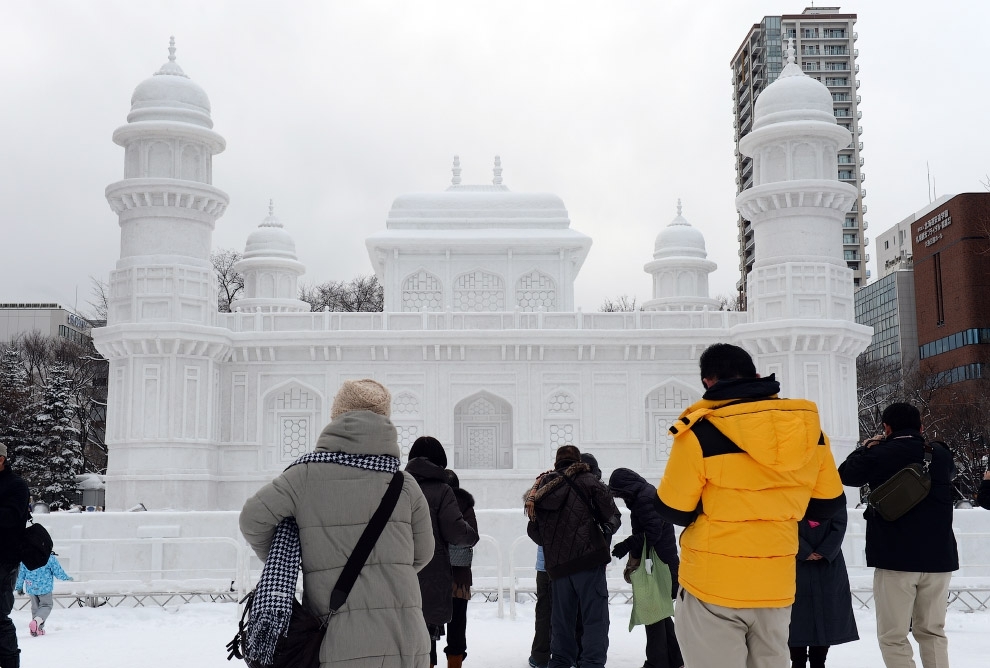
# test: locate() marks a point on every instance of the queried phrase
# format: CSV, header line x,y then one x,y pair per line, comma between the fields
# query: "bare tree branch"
x,y
230,283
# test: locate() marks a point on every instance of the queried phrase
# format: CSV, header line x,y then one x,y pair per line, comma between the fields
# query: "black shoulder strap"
x,y
365,543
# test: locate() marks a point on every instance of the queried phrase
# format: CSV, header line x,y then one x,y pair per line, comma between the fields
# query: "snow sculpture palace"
x,y
479,341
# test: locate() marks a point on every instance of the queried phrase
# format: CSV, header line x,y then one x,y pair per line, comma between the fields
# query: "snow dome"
x,y
270,239
170,95
794,96
680,239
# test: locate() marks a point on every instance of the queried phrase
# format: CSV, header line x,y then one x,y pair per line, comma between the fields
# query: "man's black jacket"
x,y
921,541
566,527
13,515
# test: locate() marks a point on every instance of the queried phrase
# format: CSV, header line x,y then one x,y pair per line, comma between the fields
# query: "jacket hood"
x,y
422,468
463,497
781,434
627,484
360,433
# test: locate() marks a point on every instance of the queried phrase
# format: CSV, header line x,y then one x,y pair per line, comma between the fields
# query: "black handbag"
x,y
36,546
903,490
300,647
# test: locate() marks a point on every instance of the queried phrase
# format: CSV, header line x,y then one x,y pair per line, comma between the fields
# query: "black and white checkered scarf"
x,y
271,608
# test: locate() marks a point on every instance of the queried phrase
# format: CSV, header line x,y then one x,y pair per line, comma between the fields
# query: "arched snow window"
x,y
479,291
536,291
483,433
422,291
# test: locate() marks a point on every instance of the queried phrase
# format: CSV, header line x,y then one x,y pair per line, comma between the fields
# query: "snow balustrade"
x,y
163,558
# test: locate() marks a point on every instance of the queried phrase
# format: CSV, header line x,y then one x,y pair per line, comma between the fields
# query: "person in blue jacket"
x,y
38,584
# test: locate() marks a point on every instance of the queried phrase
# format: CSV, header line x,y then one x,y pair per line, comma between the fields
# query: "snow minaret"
x,y
800,290
271,269
161,339
680,269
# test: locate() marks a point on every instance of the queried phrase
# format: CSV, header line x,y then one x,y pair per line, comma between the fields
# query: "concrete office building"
x,y
825,43
888,306
50,319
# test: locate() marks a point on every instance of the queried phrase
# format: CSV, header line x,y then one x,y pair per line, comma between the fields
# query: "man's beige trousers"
x,y
712,636
916,602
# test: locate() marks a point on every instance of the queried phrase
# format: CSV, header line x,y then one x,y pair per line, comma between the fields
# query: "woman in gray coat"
x,y
381,624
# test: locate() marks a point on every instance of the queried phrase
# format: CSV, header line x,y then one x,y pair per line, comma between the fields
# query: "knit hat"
x,y
592,462
362,395
431,448
3,450
567,453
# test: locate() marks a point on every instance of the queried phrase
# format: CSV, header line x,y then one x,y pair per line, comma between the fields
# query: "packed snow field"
x,y
194,635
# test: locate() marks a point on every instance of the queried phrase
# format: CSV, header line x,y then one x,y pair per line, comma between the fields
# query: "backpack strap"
x,y
365,544
587,502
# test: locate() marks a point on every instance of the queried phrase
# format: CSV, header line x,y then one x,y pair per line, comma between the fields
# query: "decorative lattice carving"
x,y
295,399
479,291
482,406
405,404
481,447
561,402
294,437
422,291
407,435
536,291
561,434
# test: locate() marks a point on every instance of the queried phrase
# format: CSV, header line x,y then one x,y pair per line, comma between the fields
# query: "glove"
x,y
631,565
621,549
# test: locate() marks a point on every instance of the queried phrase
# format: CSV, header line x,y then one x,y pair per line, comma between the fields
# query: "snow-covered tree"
x,y
15,401
57,441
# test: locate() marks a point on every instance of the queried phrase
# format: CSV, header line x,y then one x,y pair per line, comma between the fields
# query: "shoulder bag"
x,y
651,586
903,490
300,647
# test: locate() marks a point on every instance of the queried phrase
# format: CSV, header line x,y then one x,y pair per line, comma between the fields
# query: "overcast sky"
x,y
333,109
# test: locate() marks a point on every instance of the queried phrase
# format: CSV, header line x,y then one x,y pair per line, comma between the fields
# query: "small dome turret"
x,y
170,95
270,239
680,239
794,96
270,268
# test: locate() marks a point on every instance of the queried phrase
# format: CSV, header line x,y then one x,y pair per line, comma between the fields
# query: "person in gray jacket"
x,y
381,624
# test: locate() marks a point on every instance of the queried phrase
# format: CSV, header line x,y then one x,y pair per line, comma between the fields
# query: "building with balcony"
x,y
825,43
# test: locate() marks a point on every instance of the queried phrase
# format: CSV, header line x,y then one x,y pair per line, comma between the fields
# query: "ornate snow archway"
x,y
483,433
291,423
664,404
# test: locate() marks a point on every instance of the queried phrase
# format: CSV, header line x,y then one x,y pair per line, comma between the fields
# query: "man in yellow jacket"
x,y
745,466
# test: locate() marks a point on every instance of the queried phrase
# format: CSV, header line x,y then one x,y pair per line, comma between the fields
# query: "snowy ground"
x,y
194,636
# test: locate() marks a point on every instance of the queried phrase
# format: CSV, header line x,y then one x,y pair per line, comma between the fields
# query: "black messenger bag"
x,y
903,490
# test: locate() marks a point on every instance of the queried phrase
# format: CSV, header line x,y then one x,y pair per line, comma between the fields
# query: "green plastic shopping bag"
x,y
651,590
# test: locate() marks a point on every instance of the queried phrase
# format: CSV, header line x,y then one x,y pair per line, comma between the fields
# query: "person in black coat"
x,y
913,556
983,496
662,650
460,567
427,462
575,516
13,518
822,613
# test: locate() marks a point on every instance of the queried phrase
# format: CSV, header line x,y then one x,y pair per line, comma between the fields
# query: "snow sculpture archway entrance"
x,y
483,433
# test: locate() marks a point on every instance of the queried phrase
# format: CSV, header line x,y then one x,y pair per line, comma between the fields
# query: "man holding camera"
x,y
914,555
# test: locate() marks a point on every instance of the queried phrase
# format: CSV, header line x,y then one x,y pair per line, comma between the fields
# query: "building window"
x,y
845,174
850,239
939,304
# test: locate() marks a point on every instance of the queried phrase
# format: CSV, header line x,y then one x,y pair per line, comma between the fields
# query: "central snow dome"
x,y
478,248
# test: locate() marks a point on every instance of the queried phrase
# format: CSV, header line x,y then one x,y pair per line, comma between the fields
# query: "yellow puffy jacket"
x,y
741,475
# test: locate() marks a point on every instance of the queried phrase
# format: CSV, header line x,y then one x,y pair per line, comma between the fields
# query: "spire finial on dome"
x,y
455,180
678,206
171,67
790,51
497,171
271,220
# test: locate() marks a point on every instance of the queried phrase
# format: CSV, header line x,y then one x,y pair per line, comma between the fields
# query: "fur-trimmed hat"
x,y
362,395
567,453
431,448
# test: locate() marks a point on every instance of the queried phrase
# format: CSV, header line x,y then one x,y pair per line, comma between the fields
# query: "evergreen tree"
x,y
58,441
15,403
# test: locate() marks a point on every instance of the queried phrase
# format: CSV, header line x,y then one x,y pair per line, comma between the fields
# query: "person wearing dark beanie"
x,y
566,453
427,464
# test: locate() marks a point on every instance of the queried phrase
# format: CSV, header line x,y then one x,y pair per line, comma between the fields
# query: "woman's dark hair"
x,y
451,478
725,361
431,448
901,416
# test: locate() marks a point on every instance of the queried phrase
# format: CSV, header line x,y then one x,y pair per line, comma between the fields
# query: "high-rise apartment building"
x,y
825,44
